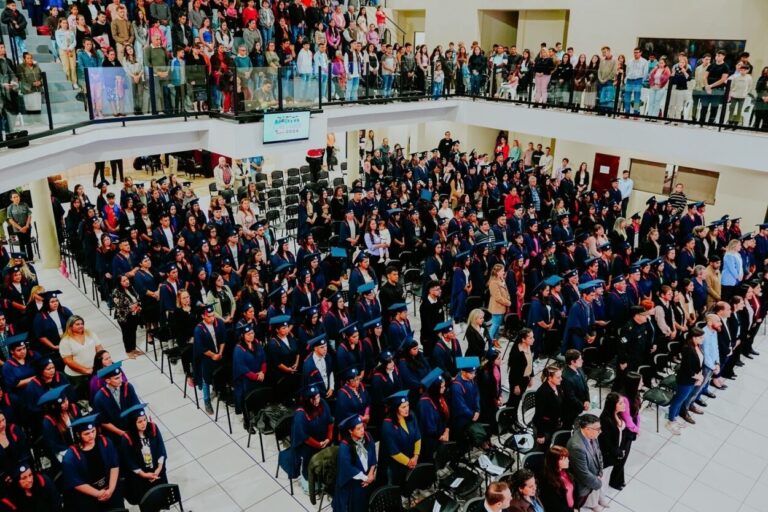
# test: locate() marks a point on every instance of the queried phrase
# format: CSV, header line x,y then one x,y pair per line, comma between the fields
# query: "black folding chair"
x,y
386,499
253,403
161,497
224,393
283,437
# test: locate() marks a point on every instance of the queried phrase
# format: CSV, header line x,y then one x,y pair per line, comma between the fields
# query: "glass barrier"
x,y
109,92
258,88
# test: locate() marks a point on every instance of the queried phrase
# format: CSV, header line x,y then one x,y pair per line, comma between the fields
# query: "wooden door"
x,y
606,168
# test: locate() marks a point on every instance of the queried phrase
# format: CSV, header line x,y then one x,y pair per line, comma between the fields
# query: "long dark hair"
x,y
311,410
551,471
629,387
609,407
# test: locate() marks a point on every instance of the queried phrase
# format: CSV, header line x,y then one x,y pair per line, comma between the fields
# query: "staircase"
x,y
66,109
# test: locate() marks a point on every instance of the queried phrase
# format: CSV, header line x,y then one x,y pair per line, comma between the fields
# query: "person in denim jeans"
x,y
353,64
388,69
266,22
710,364
689,376
500,300
477,67
637,71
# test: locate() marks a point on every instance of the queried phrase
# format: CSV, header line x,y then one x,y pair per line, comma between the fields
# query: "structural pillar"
x,y
42,215
353,156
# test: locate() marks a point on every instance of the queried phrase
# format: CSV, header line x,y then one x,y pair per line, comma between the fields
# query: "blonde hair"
x,y
495,271
733,246
473,316
37,289
70,322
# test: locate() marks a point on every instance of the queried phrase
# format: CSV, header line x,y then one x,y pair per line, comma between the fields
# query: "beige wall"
x,y
737,193
536,27
498,27
410,21
617,23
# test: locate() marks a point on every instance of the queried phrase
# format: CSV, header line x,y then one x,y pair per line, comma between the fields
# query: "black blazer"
x,y
549,410
553,499
576,392
689,366
610,445
517,364
477,344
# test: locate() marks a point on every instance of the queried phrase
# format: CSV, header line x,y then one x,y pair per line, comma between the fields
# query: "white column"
x,y
42,214
353,156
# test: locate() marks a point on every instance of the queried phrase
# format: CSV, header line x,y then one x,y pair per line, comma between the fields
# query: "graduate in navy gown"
x,y
91,470
312,429
30,492
447,348
249,365
142,454
105,401
400,437
349,352
283,358
433,413
17,451
413,366
356,467
461,287
18,370
208,349
352,398
318,367
49,324
58,412
384,382
46,378
465,397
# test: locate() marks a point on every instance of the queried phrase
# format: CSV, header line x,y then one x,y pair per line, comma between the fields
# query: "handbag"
x,y
33,101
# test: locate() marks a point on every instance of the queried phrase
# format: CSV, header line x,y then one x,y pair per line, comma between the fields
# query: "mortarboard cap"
x,y
350,373
51,294
467,364
317,341
444,327
133,412
277,292
102,183
570,273
398,307
349,329
588,287
338,252
618,279
605,246
376,322
112,370
245,328
18,255
13,342
398,398
310,391
309,311
432,377
53,395
284,267
350,422
84,423
553,281
408,344
365,288
161,180
280,321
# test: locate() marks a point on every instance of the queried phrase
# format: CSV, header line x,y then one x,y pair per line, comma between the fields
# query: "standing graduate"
x,y
434,414
142,453
356,467
401,438
91,470
249,365
352,398
114,397
465,396
283,358
312,429
210,338
384,382
58,415
30,492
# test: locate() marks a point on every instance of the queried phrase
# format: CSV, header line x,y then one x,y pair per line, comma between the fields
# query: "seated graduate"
x,y
30,491
356,466
142,454
91,470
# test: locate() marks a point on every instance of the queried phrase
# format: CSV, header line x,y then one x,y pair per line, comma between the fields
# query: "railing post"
x,y
724,105
235,95
330,84
47,98
570,94
319,87
152,86
280,88
88,95
616,94
668,98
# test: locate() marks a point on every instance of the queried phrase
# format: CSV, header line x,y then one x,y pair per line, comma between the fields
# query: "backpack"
x,y
269,416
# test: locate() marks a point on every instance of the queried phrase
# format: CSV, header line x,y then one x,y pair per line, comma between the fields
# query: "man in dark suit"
x,y
575,388
431,312
586,460
390,292
164,234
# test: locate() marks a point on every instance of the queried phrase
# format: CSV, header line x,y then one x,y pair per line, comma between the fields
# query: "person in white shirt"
x,y
224,175
546,161
637,71
626,185
353,63
304,66
320,66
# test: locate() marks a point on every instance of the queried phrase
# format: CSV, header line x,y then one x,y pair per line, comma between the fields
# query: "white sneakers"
x,y
673,427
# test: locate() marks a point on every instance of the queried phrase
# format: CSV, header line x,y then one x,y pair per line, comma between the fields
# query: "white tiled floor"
x,y
717,465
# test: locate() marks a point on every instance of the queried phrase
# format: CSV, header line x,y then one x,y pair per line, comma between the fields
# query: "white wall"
x,y
617,23
539,26
740,192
